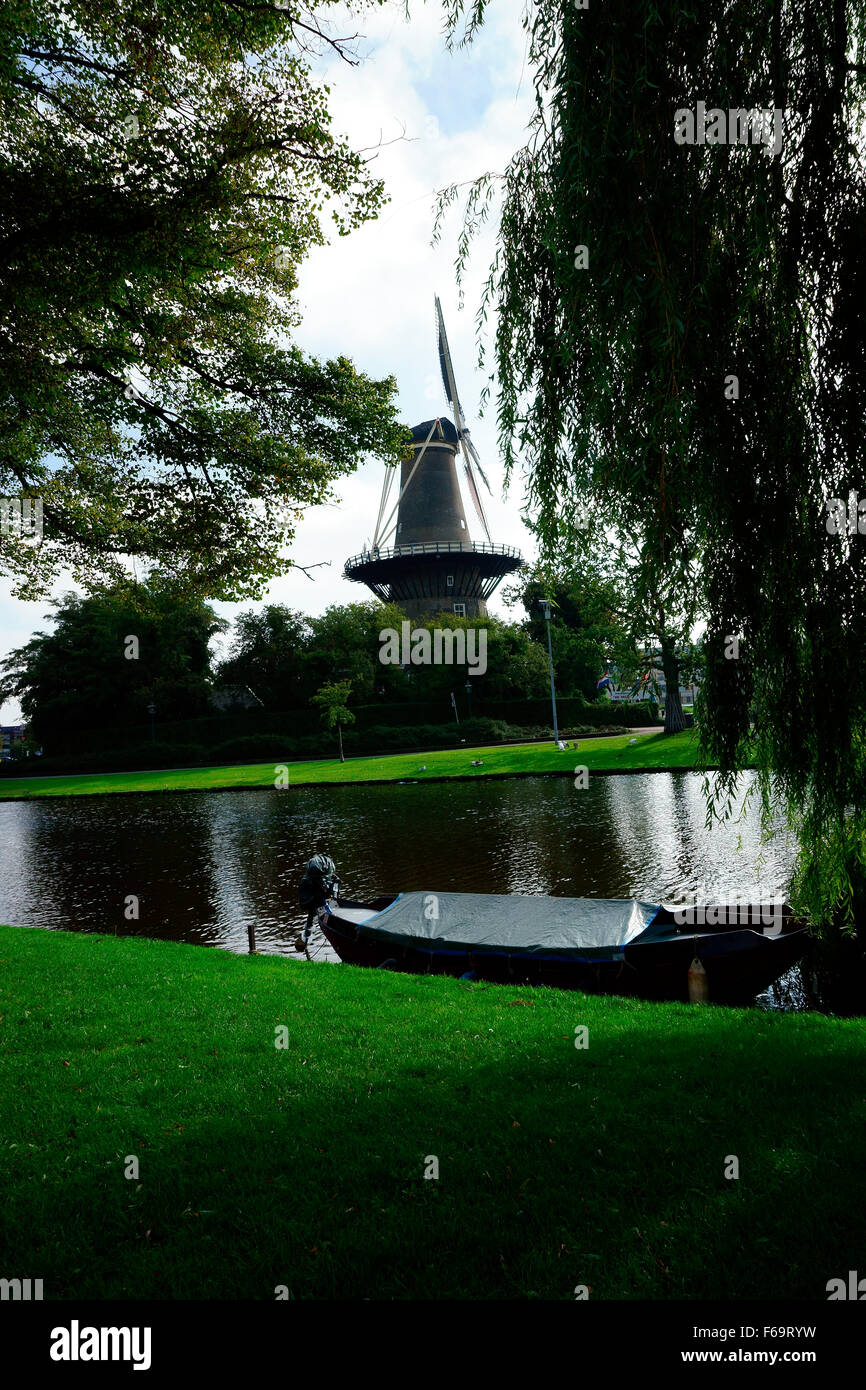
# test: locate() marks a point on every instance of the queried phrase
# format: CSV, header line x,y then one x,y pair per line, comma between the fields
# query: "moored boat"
x,y
600,945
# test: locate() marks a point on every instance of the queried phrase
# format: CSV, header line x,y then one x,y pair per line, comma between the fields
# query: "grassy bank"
x,y
617,754
304,1166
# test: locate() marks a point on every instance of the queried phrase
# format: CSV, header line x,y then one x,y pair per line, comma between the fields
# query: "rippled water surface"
x,y
204,866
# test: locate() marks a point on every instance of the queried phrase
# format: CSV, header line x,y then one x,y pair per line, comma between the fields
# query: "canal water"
x,y
204,866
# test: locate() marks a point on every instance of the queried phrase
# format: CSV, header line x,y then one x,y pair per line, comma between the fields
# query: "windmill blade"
x,y
473,491
468,448
476,460
446,366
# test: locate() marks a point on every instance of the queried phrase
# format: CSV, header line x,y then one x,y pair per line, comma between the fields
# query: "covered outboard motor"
x,y
319,883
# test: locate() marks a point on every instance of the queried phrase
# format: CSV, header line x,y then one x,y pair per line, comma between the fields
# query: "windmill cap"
x,y
446,431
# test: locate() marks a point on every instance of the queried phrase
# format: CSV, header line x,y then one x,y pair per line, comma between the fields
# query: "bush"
x,y
265,747
487,731
150,755
301,727
146,755
385,738
254,748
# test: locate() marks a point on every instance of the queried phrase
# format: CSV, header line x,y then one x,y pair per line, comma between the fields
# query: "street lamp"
x,y
151,709
544,605
468,689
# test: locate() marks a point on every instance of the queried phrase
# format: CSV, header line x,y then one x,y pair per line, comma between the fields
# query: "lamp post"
x,y
151,709
544,605
468,689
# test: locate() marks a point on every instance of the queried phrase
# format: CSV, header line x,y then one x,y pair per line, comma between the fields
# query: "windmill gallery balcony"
x,y
459,575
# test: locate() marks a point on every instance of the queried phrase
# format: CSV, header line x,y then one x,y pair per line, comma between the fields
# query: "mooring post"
x,y
698,983
251,931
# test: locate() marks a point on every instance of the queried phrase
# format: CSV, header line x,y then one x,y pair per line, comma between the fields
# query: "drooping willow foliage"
x,y
706,262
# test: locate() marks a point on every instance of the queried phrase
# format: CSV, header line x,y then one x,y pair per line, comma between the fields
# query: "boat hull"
x,y
740,962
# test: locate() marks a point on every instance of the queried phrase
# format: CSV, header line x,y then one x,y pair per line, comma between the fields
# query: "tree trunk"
x,y
674,719
340,737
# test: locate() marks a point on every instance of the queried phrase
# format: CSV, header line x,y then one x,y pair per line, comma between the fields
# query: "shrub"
x,y
254,748
385,738
150,755
482,730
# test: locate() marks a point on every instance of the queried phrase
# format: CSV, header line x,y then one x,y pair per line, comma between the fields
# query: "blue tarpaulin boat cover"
x,y
509,922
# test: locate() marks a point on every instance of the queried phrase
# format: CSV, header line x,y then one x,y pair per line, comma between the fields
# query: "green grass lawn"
x,y
304,1166
617,754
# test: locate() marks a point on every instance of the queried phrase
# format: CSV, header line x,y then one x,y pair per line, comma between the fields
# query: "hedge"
x,y
215,731
265,747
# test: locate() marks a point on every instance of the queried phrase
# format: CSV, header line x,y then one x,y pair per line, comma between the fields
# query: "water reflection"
x,y
205,866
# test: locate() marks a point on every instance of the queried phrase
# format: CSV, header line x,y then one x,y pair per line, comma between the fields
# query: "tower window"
x,y
450,581
462,524
460,610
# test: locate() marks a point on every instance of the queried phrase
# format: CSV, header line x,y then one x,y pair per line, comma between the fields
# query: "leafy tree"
x,y
268,655
283,656
344,643
700,369
499,659
332,704
664,605
163,169
589,628
110,655
517,668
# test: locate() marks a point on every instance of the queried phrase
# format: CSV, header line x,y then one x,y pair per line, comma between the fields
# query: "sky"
x,y
441,118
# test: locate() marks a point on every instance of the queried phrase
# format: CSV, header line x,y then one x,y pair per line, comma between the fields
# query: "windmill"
x,y
434,566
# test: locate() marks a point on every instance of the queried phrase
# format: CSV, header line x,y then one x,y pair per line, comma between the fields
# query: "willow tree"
x,y
680,338
164,169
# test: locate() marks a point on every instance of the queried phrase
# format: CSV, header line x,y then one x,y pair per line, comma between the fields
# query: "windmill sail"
x,y
470,455
473,492
476,460
445,365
